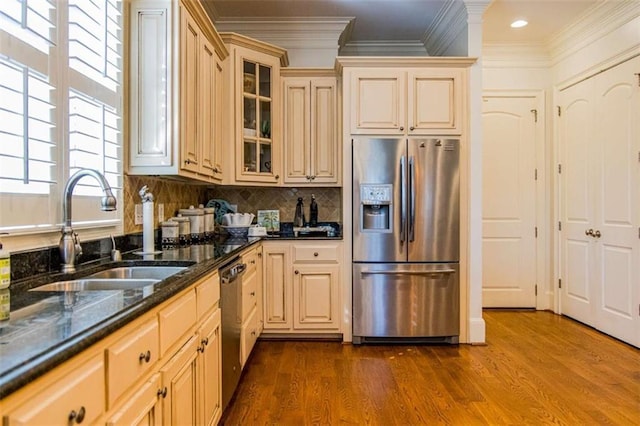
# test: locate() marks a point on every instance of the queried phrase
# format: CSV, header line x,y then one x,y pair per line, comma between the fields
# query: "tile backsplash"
x,y
251,199
174,194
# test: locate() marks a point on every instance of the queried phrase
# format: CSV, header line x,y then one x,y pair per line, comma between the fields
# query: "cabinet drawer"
x,y
80,395
249,293
130,357
176,319
324,253
248,336
207,294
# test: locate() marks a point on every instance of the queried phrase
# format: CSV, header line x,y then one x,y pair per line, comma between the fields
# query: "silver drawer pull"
x,y
428,273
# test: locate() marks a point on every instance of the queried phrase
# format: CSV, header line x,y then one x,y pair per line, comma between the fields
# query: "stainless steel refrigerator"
x,y
406,233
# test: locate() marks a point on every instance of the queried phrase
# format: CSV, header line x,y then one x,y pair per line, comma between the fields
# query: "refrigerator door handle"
x,y
412,199
403,199
400,272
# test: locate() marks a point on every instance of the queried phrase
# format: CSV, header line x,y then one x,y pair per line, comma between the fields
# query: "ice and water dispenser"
x,y
375,208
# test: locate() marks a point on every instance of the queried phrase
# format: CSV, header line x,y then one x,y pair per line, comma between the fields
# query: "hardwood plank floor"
x,y
537,368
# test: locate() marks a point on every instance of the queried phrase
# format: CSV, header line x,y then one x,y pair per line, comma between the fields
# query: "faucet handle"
x,y
76,242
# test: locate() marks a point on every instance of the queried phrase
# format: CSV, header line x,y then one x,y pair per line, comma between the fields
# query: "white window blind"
x,y
60,109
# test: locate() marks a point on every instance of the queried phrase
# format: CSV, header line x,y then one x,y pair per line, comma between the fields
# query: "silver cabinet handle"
x,y
402,272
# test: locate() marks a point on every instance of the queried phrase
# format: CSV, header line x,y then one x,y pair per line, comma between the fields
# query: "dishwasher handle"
x,y
233,273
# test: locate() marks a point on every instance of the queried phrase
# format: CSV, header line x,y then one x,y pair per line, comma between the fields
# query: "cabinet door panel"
x,y
179,378
205,114
325,154
218,120
189,98
435,101
378,102
296,129
210,373
176,319
277,297
143,408
315,297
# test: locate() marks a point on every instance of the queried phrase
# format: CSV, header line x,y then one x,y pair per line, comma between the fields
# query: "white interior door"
x,y
600,201
576,125
617,199
509,202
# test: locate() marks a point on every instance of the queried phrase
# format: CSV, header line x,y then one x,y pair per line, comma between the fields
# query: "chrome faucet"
x,y
70,247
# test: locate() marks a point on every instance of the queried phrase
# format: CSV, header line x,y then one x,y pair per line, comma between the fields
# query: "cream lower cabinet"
x,y
302,288
311,127
164,368
176,62
424,97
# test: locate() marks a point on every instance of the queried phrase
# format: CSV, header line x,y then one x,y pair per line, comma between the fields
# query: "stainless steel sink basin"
x,y
98,284
139,272
120,278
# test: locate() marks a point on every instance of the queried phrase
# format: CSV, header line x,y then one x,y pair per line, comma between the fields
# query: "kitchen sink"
x,y
139,272
98,284
119,278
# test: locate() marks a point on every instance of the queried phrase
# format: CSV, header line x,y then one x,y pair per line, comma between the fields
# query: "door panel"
x,y
617,200
434,200
509,202
576,201
600,201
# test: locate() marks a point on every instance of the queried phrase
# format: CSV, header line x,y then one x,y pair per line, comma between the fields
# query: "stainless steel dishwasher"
x,y
230,299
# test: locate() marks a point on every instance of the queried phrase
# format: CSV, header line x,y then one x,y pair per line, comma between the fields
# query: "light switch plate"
x,y
138,215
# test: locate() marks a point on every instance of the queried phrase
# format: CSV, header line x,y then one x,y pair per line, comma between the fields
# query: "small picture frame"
x,y
270,219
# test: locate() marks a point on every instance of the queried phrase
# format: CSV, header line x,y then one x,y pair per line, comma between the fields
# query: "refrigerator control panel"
x,y
373,194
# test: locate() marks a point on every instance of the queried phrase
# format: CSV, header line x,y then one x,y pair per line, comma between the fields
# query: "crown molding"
x,y
596,23
211,10
515,55
257,45
403,61
450,21
384,48
300,32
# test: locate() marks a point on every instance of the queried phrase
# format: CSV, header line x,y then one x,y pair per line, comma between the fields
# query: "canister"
x,y
170,233
184,229
196,216
209,221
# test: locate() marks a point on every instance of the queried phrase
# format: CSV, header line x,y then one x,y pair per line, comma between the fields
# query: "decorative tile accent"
x,y
250,199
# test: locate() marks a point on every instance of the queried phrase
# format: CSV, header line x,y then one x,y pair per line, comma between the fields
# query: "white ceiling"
x,y
410,20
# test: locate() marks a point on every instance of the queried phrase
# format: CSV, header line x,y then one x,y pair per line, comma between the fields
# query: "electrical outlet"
x,y
138,215
160,212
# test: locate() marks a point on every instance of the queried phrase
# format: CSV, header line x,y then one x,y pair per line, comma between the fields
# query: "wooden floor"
x,y
537,368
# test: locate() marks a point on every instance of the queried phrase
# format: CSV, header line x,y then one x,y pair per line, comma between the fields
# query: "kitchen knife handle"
x,y
403,199
412,199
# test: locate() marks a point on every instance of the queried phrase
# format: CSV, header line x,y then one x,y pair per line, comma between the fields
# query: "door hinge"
x,y
638,156
559,168
559,111
559,282
638,232
536,231
535,115
638,75
535,174
559,226
536,290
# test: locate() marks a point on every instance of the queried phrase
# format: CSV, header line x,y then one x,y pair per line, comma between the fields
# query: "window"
x,y
60,110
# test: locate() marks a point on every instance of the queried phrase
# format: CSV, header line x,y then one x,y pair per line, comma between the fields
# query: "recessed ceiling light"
x,y
519,23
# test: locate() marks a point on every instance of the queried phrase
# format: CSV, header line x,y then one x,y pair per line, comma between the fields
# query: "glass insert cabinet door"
x,y
256,118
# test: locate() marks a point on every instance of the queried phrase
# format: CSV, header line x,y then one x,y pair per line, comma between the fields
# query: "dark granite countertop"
x,y
47,328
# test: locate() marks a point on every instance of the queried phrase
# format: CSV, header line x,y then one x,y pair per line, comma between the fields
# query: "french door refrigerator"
x,y
406,236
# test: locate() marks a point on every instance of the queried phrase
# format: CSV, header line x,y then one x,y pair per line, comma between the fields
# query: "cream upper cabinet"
x,y
253,95
310,127
302,288
413,100
176,56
